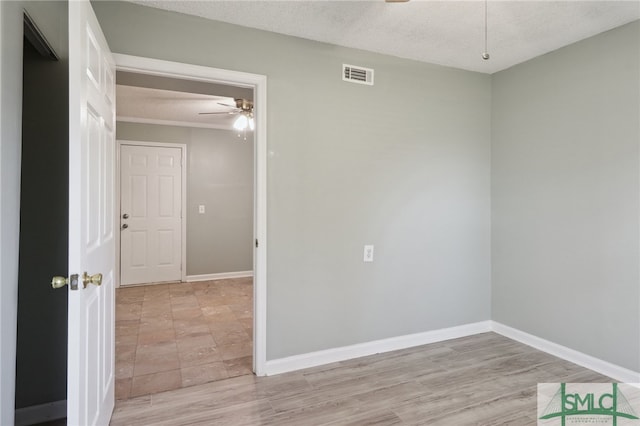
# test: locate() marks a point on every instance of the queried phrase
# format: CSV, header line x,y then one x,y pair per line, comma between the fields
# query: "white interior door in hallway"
x,y
150,214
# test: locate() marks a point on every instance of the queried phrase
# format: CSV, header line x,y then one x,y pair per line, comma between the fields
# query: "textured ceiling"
x,y
143,104
449,32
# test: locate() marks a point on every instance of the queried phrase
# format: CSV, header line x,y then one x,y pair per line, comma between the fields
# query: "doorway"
x,y
231,301
41,361
142,65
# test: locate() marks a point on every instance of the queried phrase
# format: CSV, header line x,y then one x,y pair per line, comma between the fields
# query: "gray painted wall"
x,y
51,18
565,196
403,165
219,176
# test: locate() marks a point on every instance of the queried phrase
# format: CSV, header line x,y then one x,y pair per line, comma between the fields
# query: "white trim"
x,y
41,413
603,367
116,214
158,67
219,276
173,123
313,359
259,84
183,219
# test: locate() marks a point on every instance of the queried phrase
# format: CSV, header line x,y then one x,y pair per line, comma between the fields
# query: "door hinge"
x,y
256,243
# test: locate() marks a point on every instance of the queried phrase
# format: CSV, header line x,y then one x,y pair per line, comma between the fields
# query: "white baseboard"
x,y
603,367
313,359
220,276
41,413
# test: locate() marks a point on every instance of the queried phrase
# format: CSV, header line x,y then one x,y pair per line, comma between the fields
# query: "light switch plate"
x,y
368,253
201,209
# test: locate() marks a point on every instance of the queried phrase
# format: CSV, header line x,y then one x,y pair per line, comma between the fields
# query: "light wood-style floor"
x,y
170,336
485,379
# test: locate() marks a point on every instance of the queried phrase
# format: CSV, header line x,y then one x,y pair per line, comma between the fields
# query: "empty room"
x,y
440,222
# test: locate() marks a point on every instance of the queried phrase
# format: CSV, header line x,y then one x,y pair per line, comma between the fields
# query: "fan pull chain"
x,y
485,54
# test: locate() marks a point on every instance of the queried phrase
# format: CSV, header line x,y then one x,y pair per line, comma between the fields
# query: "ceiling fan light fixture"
x,y
241,123
252,124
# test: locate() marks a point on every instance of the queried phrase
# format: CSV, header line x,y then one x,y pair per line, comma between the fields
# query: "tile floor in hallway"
x,y
170,336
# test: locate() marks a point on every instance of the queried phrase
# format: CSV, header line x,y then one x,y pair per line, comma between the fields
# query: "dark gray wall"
x,y
41,365
403,165
220,177
565,196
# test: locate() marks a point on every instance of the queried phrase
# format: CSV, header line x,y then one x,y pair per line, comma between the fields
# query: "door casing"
x,y
258,83
183,230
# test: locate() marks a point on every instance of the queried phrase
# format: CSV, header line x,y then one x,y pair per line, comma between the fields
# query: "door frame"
x,y
258,83
183,201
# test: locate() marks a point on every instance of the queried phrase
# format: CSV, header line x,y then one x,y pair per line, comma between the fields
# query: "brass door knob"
x,y
87,279
59,282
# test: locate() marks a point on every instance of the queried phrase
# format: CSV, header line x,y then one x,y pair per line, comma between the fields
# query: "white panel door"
x,y
150,214
90,385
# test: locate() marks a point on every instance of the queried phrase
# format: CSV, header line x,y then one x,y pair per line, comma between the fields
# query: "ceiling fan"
x,y
244,107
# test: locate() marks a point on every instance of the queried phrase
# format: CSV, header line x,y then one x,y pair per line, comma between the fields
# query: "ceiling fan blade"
x,y
221,112
227,105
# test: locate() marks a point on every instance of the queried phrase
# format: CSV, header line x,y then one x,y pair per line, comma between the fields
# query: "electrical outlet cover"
x,y
368,253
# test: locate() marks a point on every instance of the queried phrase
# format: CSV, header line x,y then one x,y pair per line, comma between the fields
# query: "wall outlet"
x,y
368,253
201,209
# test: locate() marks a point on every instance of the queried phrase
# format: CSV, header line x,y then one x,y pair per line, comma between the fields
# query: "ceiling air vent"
x,y
356,74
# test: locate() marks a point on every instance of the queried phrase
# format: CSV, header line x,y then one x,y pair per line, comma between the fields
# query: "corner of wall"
x,y
10,110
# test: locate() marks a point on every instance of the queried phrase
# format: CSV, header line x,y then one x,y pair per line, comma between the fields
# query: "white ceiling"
x,y
150,105
444,32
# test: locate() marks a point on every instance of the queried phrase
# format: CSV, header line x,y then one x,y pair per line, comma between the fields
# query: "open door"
x,y
90,382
